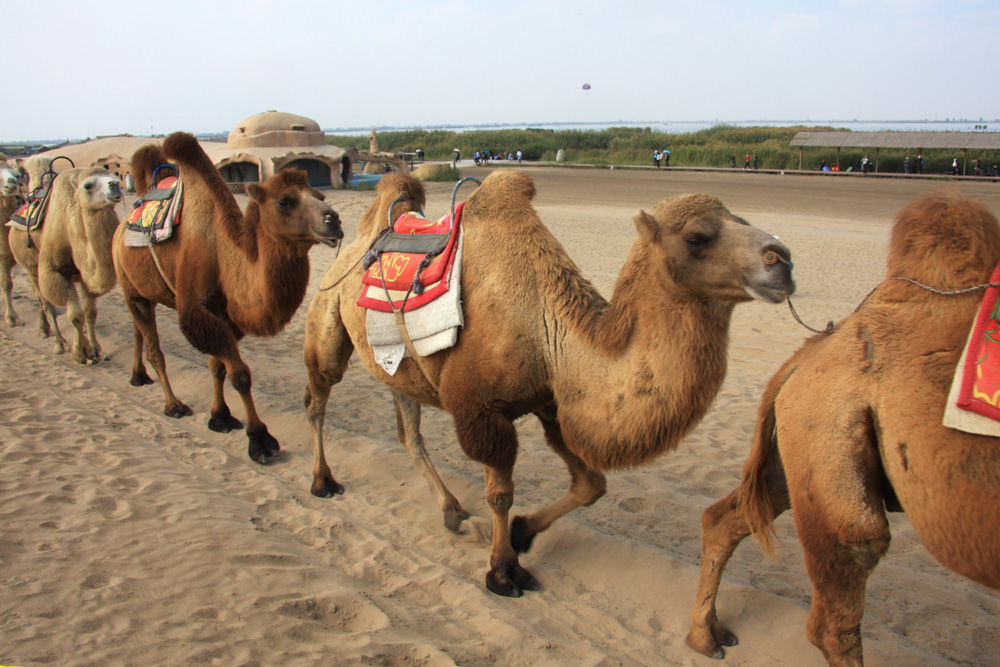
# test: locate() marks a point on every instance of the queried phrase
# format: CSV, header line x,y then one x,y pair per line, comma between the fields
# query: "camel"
x,y
35,168
850,428
227,273
614,384
69,258
10,200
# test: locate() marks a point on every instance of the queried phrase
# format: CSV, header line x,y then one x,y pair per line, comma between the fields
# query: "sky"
x,y
202,66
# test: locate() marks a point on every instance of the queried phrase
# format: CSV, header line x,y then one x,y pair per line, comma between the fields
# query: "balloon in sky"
x,y
586,86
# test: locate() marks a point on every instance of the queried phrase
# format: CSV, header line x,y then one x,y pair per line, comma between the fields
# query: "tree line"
x,y
621,146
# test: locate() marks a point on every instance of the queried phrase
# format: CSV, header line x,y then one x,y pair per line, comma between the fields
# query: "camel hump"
x,y
944,239
144,163
506,193
402,185
184,149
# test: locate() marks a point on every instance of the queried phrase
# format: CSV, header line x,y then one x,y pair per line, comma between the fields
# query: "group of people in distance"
x,y
484,156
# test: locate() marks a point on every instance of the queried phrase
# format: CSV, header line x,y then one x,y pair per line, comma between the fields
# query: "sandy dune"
x,y
130,538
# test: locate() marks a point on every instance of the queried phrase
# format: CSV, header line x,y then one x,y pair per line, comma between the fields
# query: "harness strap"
x,y
401,326
156,260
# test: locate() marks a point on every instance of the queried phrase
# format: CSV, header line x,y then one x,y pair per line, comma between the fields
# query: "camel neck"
x,y
265,290
628,402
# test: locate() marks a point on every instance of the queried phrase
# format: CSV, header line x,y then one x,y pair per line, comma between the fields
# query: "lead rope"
x,y
830,327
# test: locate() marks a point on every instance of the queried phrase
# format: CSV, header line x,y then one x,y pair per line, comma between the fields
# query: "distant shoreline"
x,y
669,127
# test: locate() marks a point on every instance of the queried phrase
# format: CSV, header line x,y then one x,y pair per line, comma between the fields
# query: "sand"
x,y
130,538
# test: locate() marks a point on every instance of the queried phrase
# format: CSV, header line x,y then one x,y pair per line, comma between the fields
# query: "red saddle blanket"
x,y
395,271
30,215
155,209
980,387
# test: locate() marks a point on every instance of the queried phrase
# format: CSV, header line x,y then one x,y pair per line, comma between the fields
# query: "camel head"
x,y
714,255
291,211
10,181
97,188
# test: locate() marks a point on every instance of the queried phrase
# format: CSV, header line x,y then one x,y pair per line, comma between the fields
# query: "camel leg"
x,y
261,444
841,523
316,397
488,436
139,375
586,486
143,314
92,348
723,528
506,576
408,435
7,285
81,350
48,323
838,566
222,420
326,353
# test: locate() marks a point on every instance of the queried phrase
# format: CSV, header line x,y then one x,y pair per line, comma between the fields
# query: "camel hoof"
x,y
511,583
520,538
140,379
453,518
13,322
224,422
710,642
262,445
327,487
177,410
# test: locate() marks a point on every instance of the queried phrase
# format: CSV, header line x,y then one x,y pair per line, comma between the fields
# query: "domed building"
x,y
265,143
256,149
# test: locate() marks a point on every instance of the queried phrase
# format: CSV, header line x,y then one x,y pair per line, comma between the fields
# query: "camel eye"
x,y
697,242
286,203
89,185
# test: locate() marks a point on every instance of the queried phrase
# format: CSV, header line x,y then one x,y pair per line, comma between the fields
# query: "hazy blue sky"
x,y
89,69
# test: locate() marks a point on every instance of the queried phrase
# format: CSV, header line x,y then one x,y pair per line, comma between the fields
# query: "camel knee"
x,y
588,488
241,380
501,501
867,554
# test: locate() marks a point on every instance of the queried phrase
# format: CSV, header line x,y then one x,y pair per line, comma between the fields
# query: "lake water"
x,y
683,127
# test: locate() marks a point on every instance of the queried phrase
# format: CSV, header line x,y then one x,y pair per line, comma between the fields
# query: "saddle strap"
x,y
156,260
401,326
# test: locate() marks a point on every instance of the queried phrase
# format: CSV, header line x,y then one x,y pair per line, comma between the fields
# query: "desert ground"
x,y
131,538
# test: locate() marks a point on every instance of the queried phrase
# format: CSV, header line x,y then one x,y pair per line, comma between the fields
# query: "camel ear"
x,y
256,193
647,227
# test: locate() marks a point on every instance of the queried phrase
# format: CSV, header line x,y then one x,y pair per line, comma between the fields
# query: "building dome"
x,y
276,128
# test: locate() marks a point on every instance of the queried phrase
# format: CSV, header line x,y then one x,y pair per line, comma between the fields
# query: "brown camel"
x,y
69,258
614,383
228,274
850,427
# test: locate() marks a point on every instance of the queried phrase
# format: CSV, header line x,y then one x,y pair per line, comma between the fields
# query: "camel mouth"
x,y
9,191
332,240
771,292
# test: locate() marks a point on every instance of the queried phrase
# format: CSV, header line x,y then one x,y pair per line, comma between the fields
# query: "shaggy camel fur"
x,y
228,274
850,427
70,261
614,383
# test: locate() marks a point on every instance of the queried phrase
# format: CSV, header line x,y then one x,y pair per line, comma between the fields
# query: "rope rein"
x,y
830,327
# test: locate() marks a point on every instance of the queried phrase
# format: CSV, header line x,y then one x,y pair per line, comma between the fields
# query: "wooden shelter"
x,y
918,141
